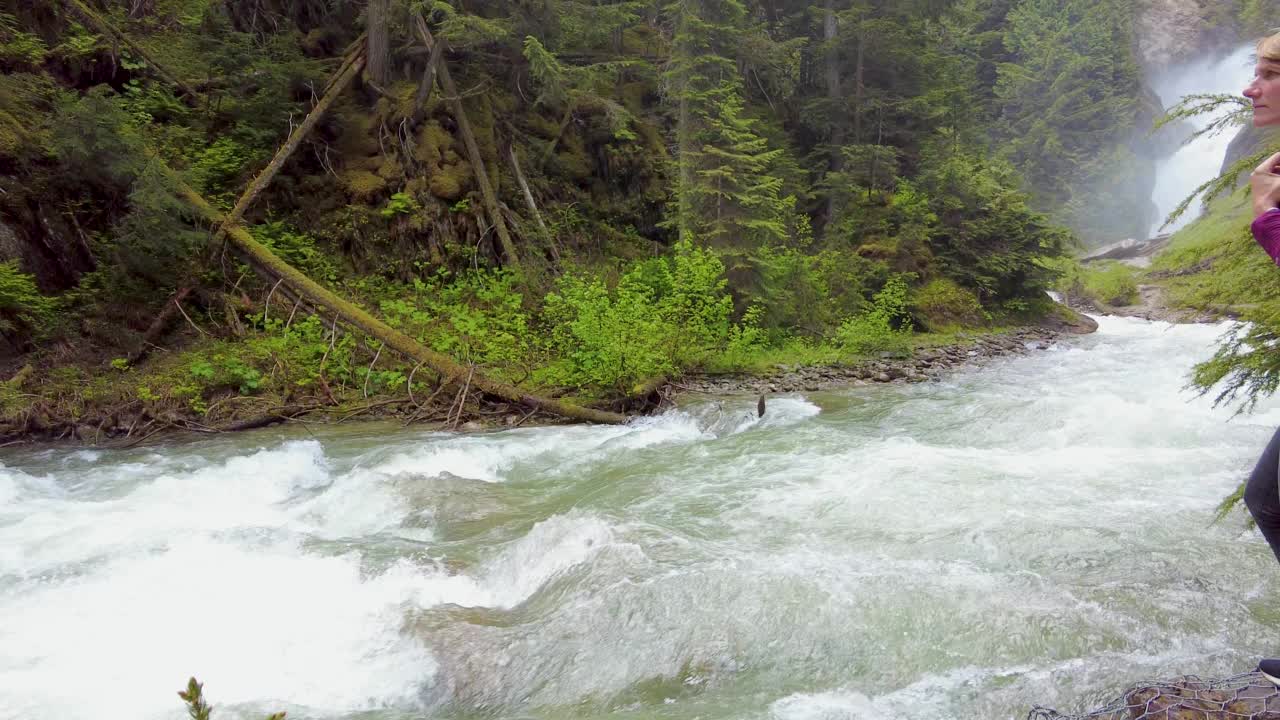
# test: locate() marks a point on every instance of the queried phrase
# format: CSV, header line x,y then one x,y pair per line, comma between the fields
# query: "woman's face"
x,y
1264,91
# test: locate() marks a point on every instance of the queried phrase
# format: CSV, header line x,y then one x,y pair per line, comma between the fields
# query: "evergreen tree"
x,y
726,195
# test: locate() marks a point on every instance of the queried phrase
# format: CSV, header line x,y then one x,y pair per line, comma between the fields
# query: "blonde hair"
x,y
1269,47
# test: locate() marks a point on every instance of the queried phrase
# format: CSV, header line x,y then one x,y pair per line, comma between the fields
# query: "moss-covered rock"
x,y
363,185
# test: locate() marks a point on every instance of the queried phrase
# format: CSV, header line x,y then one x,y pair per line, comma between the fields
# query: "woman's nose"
x,y
1251,91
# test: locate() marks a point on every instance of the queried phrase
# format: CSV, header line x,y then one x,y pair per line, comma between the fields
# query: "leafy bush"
x,y
663,316
813,293
298,249
475,316
886,327
941,302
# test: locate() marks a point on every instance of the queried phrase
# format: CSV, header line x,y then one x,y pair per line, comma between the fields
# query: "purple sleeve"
x,y
1266,230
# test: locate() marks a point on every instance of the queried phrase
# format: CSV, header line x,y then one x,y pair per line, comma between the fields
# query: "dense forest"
x,y
216,209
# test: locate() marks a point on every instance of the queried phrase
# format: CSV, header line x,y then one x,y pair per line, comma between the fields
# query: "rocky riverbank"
x,y
923,365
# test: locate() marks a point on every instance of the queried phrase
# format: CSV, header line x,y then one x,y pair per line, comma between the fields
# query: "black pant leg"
x,y
1262,494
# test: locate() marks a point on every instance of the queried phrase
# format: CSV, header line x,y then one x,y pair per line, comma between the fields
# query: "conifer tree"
x,y
726,195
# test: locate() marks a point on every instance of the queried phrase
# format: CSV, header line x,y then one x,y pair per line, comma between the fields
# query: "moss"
x,y
359,132
389,168
481,115
541,126
571,159
433,140
634,94
363,185
449,182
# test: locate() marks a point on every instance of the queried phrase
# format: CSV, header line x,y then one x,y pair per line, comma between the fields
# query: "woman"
x,y
1262,493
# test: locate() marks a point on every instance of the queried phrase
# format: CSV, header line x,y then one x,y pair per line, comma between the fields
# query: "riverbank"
x,y
928,363
105,412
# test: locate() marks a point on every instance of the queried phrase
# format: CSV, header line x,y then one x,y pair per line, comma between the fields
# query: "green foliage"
x,y
726,194
941,304
18,50
1069,84
664,316
217,168
25,314
886,327
988,239
297,248
813,293
94,135
475,316
400,204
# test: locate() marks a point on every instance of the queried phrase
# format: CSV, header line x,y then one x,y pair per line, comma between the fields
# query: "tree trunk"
x,y
528,201
379,45
555,141
428,81
473,148
857,86
829,33
346,73
268,264
685,144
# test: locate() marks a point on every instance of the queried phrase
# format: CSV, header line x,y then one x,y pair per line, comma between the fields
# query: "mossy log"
x,y
473,148
269,264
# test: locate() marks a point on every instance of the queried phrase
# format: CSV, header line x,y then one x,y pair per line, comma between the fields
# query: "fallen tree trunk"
x,y
269,264
473,148
345,75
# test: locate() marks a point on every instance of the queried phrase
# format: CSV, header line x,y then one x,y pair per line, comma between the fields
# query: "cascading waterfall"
x,y
1179,174
1035,531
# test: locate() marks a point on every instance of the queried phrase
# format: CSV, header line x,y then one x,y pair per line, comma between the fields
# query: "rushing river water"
x,y
1035,531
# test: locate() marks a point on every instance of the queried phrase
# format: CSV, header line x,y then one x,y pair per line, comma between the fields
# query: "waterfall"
x,y
1192,164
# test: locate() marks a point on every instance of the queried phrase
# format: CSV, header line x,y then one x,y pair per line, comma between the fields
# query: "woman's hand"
x,y
1264,184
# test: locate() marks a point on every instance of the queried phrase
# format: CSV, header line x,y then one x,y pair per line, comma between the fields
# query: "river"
x,y
1033,531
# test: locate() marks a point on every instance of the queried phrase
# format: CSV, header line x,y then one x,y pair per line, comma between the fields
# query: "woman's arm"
x,y
1264,185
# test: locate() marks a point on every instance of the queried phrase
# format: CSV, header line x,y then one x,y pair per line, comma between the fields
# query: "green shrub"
x,y
814,292
663,316
298,249
941,303
475,316
886,327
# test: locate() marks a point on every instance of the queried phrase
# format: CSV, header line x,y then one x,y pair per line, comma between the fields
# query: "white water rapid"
x,y
1035,531
1191,165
